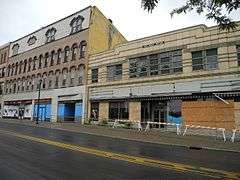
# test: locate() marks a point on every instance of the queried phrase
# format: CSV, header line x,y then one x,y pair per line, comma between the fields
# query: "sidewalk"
x,y
154,136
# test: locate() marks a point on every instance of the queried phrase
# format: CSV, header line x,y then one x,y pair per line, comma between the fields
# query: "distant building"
x,y
188,76
56,54
4,49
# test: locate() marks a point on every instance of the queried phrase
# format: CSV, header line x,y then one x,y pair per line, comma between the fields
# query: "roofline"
x,y
51,24
4,45
181,29
164,33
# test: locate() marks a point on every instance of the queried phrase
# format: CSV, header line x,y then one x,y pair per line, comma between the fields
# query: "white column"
x,y
33,103
85,105
54,109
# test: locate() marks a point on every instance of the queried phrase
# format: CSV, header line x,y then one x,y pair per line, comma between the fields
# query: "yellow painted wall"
x,y
102,33
135,111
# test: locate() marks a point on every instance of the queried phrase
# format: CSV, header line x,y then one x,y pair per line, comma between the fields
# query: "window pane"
x,y
143,66
133,68
211,62
124,110
118,73
197,54
113,111
197,64
110,73
211,52
153,66
94,75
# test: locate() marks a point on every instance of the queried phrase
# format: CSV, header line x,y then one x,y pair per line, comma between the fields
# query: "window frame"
x,y
204,58
164,63
118,110
114,72
94,75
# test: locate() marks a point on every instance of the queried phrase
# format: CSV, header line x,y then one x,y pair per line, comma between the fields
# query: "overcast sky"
x,y
21,17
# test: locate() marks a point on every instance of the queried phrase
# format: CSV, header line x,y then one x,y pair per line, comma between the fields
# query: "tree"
x,y
218,10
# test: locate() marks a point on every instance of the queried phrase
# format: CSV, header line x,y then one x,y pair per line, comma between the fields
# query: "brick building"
x,y
189,76
4,49
54,57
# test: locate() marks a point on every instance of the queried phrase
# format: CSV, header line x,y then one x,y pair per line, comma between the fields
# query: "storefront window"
x,y
94,111
118,110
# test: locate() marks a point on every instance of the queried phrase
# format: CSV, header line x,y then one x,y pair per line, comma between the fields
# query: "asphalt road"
x,y
40,153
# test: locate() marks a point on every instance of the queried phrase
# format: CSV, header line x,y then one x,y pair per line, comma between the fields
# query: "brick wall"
x,y
237,114
209,113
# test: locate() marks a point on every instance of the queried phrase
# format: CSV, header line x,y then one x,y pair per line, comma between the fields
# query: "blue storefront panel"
x,y
70,111
78,111
44,112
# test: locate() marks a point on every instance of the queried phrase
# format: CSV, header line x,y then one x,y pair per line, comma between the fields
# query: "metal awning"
x,y
228,94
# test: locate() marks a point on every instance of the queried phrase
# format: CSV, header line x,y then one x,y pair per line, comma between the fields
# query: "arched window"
x,y
74,52
14,88
33,82
8,70
12,70
50,75
20,67
52,58
66,53
59,56
28,83
57,74
44,81
64,77
76,24
6,87
72,76
18,84
46,60
40,61
82,49
16,69
81,74
50,35
3,72
32,40
25,66
15,49
34,63
23,83
29,64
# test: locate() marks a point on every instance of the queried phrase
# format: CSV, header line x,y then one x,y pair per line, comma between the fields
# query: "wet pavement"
x,y
25,159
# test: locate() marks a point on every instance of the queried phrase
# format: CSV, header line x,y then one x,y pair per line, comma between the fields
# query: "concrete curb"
x,y
123,138
152,142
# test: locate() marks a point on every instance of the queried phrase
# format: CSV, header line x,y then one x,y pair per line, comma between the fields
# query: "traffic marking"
x,y
214,173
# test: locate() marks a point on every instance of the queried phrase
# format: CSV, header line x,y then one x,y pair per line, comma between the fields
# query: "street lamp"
x,y
39,90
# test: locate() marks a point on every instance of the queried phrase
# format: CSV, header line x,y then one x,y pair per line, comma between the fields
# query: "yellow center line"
x,y
132,159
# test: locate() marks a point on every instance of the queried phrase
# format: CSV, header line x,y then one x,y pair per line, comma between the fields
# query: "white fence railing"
x,y
137,123
178,126
207,128
234,131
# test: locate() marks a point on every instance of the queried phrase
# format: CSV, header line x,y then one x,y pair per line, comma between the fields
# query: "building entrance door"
x,y
159,114
42,113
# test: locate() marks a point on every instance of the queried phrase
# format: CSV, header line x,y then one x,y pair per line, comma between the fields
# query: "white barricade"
x,y
234,134
206,127
138,123
164,123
